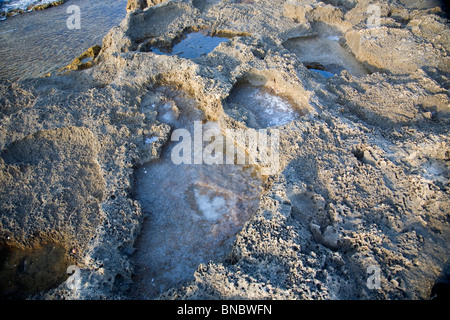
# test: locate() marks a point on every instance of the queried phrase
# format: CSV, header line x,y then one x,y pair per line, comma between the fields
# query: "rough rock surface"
x,y
141,4
363,175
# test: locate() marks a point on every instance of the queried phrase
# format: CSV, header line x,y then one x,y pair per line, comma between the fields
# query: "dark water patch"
x,y
24,272
441,288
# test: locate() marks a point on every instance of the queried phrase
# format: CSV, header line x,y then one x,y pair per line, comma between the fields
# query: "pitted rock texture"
x,y
362,180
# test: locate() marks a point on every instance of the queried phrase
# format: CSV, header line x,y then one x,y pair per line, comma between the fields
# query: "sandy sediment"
x,y
362,181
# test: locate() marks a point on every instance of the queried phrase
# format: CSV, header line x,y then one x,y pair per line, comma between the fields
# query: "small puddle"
x,y
203,5
192,211
326,53
194,45
27,272
327,71
87,59
259,106
324,73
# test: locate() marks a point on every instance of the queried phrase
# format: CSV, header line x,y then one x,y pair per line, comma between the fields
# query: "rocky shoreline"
x,y
362,183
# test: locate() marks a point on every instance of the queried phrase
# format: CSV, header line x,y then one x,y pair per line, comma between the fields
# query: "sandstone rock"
x,y
362,176
142,4
51,194
136,4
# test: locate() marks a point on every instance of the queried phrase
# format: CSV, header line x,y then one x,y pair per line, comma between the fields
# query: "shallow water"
x,y
194,45
36,43
24,272
193,211
203,5
324,73
259,107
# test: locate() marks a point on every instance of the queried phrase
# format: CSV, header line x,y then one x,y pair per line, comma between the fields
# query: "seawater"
x,y
36,43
